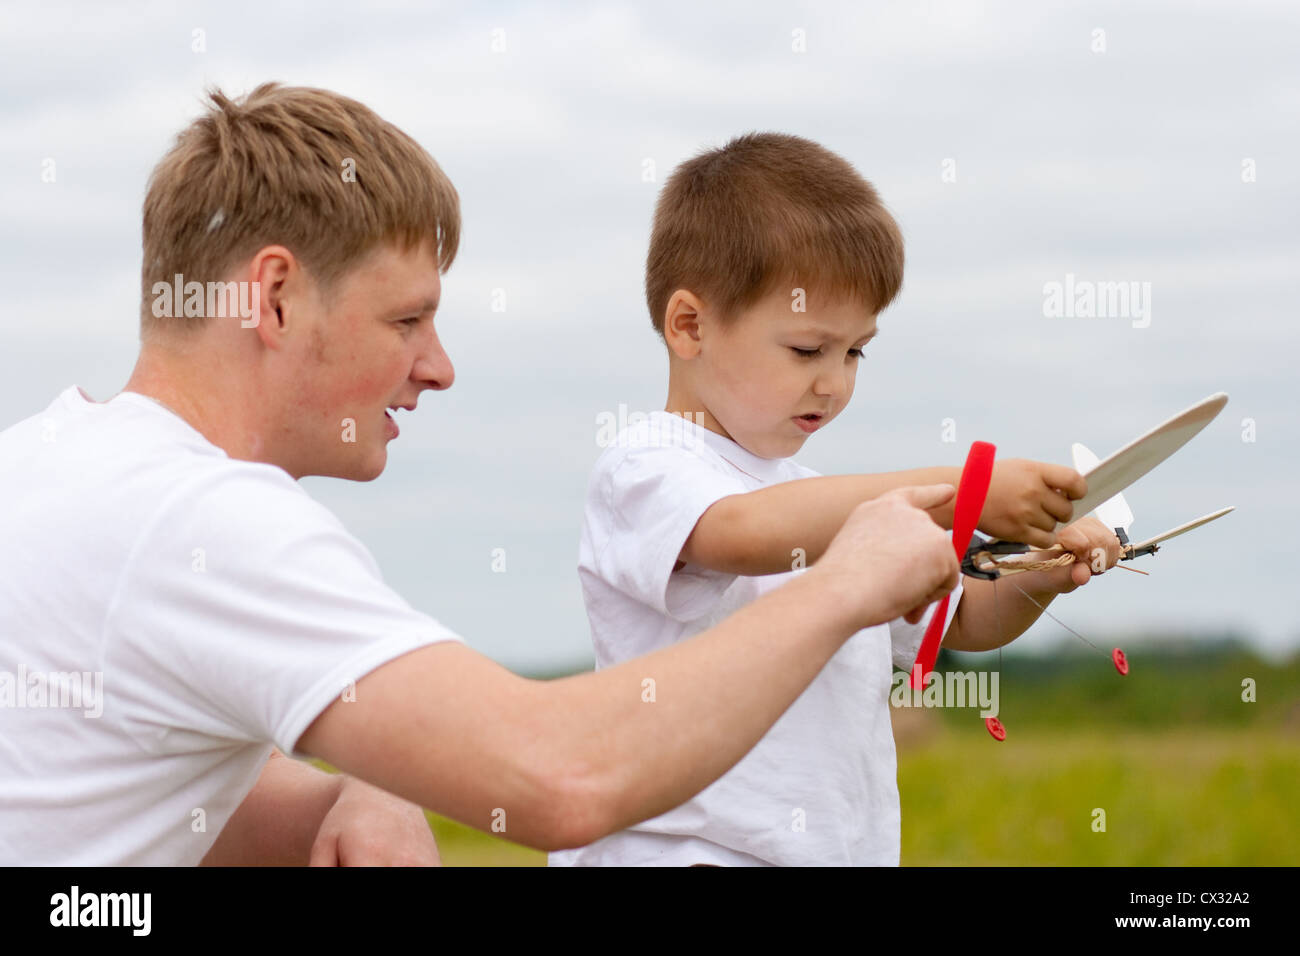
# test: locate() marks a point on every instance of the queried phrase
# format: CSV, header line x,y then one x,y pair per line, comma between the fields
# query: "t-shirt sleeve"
x,y
644,504
905,639
243,611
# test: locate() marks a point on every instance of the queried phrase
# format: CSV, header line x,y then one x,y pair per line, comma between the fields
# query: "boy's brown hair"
x,y
316,172
733,224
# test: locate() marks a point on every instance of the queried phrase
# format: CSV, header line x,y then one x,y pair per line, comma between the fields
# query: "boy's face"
x,y
772,376
371,345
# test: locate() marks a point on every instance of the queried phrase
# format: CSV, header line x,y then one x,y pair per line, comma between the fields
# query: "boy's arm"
x,y
296,814
982,625
561,763
758,532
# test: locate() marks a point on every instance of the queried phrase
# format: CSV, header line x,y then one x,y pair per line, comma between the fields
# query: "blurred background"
x,y
1018,144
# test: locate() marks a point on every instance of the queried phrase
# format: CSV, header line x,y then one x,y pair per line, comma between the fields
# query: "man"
x,y
161,546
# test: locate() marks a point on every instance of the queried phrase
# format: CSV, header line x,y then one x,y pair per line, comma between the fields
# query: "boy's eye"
x,y
810,353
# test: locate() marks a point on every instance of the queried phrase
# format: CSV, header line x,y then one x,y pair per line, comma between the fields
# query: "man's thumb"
x,y
926,497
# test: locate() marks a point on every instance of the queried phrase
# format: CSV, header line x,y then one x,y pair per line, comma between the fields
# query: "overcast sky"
x,y
1016,145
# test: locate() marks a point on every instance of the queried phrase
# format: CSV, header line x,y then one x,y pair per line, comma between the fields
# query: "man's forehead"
x,y
400,281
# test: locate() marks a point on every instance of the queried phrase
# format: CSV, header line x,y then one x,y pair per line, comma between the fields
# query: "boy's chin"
x,y
778,446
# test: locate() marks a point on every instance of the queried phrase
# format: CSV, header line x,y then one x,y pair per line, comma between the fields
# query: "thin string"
x,y
1059,621
997,623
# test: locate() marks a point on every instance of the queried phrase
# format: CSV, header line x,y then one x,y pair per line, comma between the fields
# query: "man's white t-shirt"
x,y
167,613
821,787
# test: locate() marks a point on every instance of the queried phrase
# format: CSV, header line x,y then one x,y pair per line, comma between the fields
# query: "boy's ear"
x,y
682,324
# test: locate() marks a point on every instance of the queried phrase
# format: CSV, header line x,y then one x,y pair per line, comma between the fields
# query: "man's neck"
x,y
157,376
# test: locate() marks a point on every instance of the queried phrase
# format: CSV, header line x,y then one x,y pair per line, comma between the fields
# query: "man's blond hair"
x,y
316,172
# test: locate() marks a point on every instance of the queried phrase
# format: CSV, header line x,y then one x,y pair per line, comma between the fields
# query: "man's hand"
x,y
370,827
1027,498
892,556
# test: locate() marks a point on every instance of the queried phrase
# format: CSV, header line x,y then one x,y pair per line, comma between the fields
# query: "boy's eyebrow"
x,y
828,335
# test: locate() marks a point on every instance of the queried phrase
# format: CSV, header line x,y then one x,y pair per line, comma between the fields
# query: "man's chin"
x,y
359,469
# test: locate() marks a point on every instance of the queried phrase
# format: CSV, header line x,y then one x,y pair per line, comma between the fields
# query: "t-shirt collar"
x,y
765,469
76,396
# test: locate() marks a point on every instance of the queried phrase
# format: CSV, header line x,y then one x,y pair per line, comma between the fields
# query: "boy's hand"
x,y
1095,549
1027,498
371,827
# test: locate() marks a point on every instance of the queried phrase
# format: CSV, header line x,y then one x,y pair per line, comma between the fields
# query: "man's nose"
x,y
434,367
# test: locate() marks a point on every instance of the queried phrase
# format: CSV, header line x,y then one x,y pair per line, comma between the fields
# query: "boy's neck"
x,y
683,401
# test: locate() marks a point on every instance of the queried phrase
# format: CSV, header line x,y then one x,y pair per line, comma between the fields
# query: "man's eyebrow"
x,y
416,308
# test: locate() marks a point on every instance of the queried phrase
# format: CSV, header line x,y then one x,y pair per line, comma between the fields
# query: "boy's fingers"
x,y
1066,479
1039,538
1044,523
1072,540
1058,506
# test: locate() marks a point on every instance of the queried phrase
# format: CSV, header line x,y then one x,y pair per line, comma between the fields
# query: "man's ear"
x,y
684,322
279,278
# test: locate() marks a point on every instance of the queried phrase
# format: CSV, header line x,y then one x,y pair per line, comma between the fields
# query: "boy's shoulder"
x,y
660,443
642,434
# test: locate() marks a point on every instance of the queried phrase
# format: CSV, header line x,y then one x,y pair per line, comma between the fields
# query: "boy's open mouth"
x,y
809,422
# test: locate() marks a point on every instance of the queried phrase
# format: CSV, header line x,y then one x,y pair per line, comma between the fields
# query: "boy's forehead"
x,y
843,319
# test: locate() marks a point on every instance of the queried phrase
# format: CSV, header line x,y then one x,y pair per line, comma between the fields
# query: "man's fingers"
x,y
926,497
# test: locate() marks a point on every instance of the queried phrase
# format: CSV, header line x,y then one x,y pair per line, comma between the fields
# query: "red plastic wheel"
x,y
1121,662
996,730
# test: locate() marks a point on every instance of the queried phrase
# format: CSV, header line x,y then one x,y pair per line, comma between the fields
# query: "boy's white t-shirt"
x,y
168,613
821,787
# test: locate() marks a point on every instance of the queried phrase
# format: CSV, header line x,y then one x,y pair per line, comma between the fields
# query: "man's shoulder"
x,y
244,496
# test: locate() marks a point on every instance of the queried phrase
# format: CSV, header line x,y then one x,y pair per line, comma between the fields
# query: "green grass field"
x,y
1188,773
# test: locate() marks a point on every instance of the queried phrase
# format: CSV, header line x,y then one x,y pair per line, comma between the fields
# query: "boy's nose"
x,y
833,383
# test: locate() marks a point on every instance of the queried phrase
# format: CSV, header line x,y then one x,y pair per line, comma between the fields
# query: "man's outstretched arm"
x,y
556,764
296,814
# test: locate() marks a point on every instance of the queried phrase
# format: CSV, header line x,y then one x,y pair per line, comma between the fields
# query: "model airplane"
x,y
991,559
1106,479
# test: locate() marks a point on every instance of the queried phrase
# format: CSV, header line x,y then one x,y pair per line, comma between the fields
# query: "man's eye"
x,y
414,320
806,353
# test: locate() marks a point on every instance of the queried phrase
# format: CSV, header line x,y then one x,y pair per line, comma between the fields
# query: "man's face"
x,y
772,376
370,345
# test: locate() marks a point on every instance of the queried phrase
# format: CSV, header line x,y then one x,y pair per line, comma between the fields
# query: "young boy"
x,y
769,261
